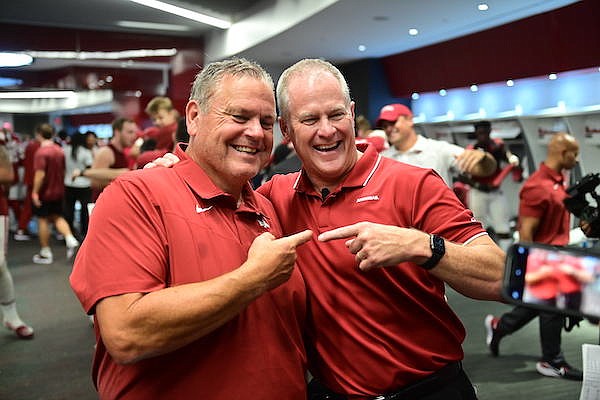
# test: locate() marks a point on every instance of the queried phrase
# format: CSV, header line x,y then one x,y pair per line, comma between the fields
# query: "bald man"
x,y
544,219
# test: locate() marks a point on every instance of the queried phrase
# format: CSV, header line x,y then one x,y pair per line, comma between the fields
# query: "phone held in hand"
x,y
551,278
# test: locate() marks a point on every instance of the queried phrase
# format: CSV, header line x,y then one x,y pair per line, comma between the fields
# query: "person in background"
x,y
364,134
205,302
77,157
165,119
22,233
47,196
486,198
148,152
543,218
447,159
8,306
91,141
110,161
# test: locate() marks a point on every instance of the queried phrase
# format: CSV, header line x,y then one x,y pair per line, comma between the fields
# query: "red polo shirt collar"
x,y
203,186
552,174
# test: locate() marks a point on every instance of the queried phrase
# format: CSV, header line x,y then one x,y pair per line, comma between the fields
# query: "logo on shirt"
x,y
263,224
367,198
201,209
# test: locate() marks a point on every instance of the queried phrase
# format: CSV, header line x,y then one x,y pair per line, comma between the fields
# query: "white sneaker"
x,y
40,259
21,236
71,249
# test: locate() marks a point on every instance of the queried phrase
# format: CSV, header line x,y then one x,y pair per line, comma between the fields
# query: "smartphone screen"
x,y
561,279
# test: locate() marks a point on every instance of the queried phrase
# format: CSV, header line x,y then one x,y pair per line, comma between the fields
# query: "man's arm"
x,y
101,173
476,162
38,180
136,326
528,226
475,269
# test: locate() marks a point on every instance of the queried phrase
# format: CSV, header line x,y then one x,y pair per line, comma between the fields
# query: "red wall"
x,y
559,40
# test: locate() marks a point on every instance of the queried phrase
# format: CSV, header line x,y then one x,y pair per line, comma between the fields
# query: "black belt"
x,y
414,391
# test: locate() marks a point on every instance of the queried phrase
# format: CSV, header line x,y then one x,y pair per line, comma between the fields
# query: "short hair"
x,y
157,104
363,123
45,130
303,67
117,124
487,125
208,80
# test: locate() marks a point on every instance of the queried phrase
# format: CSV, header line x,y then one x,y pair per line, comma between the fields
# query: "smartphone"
x,y
551,278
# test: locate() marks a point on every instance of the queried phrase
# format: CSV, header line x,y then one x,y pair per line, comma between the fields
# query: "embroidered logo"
x,y
201,209
367,198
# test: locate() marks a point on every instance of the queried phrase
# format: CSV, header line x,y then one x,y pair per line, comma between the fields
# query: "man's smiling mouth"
x,y
327,147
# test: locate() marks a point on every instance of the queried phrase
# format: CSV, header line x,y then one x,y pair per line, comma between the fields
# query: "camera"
x,y
577,202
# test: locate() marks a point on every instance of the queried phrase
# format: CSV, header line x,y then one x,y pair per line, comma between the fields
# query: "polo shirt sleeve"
x,y
436,209
533,201
125,250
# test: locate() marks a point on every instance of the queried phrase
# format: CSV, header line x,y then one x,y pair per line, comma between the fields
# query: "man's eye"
x,y
337,116
267,125
239,118
309,121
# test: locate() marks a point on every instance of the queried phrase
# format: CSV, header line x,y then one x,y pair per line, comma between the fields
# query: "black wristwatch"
x,y
438,249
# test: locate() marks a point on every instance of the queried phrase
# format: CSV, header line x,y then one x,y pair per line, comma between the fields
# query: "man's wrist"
x,y
438,249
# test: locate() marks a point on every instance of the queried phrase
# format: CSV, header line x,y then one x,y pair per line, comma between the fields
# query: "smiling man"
x,y
193,294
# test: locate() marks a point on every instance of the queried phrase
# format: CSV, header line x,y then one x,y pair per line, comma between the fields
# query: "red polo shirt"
x,y
542,197
163,227
376,331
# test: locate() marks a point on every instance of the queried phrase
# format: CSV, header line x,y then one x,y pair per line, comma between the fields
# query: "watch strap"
x,y
438,249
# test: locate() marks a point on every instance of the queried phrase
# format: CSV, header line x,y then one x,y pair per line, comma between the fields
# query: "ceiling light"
x,y
552,77
414,96
103,55
53,94
443,92
14,59
474,88
362,47
152,25
510,83
482,7
185,13
413,31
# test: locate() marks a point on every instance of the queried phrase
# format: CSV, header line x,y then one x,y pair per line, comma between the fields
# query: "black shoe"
x,y
559,370
492,339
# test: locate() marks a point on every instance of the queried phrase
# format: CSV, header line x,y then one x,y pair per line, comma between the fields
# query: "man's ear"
x,y
284,128
192,112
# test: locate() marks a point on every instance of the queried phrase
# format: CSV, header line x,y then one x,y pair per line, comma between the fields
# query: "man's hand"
x,y
35,199
469,159
272,260
168,160
377,245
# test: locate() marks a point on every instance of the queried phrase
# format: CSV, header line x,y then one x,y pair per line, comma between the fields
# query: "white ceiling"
x,y
279,32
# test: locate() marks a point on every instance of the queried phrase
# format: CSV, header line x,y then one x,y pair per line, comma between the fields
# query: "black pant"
x,y
457,387
551,325
84,195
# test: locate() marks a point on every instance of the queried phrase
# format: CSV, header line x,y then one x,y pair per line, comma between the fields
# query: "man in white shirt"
x,y
445,158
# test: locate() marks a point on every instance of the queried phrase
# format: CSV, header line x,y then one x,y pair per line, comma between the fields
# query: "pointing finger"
x,y
339,233
298,238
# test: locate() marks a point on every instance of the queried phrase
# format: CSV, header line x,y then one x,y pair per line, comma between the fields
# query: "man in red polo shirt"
x,y
194,297
543,218
379,322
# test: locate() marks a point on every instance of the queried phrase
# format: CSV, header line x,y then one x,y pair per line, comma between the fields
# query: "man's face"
x,y
164,117
321,126
128,134
400,131
482,134
234,139
570,155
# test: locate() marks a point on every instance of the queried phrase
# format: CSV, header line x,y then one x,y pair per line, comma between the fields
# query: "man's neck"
x,y
407,144
115,143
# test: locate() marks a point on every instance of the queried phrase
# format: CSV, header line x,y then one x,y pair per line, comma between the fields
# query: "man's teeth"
x,y
327,147
245,149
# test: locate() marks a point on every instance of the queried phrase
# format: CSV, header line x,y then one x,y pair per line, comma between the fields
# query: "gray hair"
x,y
306,66
208,80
